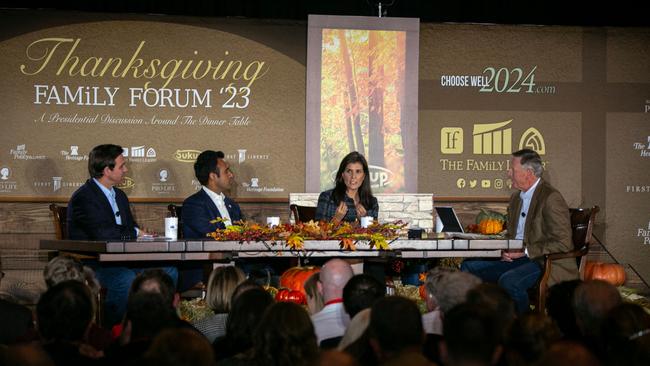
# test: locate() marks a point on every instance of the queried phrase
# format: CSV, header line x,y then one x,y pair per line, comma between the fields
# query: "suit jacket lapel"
x,y
101,197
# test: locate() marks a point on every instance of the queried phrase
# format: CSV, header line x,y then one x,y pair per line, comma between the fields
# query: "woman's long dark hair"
x,y
365,193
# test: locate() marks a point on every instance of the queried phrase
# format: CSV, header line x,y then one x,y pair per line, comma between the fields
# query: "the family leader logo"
x,y
490,139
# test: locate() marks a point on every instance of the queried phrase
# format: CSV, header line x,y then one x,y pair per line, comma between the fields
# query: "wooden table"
x,y
155,250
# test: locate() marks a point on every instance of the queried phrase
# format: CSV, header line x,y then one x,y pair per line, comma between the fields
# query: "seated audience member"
x,y
592,301
357,327
559,306
245,315
528,339
147,314
65,268
495,298
568,353
99,210
361,292
284,337
626,336
17,321
314,297
179,347
332,320
333,357
221,285
395,332
471,336
64,313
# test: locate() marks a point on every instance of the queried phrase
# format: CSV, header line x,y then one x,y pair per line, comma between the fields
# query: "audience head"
x,y
568,353
221,285
101,157
147,313
334,274
529,337
471,335
592,301
449,287
64,268
395,326
626,335
496,299
155,281
559,306
64,311
246,313
357,327
361,292
179,347
315,301
285,336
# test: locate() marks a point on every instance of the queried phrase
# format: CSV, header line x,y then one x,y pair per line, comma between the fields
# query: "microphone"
x,y
117,214
523,214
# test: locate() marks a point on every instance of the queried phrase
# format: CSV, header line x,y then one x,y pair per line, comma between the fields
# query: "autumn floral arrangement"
x,y
377,235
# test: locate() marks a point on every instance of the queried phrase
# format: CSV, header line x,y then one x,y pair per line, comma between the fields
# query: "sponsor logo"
x,y
140,154
73,154
21,153
647,106
5,173
492,138
127,183
242,155
451,140
643,148
644,234
637,189
6,184
533,139
186,156
254,186
56,183
164,186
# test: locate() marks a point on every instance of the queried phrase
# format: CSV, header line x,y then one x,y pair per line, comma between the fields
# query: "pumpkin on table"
x,y
489,222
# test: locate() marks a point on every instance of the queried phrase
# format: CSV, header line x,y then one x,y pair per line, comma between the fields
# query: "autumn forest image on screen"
x,y
362,94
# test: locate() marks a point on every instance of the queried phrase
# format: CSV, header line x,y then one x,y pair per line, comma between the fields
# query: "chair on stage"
x,y
302,213
582,224
177,211
60,224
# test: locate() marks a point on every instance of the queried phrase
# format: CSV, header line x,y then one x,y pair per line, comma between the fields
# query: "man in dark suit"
x,y
538,215
100,211
202,208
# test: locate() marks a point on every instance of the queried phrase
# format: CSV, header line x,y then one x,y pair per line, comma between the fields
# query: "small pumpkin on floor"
x,y
608,272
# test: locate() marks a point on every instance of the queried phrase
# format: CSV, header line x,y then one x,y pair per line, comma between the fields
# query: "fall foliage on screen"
x,y
362,91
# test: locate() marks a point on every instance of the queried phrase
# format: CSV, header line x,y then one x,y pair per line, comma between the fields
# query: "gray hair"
x,y
64,268
530,159
450,287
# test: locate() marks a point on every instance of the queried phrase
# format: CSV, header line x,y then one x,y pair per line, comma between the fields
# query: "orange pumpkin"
x,y
608,272
286,295
294,278
422,290
490,226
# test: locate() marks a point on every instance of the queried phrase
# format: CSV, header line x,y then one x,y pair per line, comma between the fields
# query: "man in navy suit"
x,y
210,202
100,211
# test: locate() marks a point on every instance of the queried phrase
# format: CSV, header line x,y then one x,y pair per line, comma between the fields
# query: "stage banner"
x,y
164,89
487,91
362,95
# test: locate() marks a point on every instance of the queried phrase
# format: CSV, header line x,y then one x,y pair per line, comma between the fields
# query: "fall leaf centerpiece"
x,y
378,235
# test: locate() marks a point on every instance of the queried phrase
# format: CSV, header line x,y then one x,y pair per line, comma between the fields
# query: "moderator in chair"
x,y
582,223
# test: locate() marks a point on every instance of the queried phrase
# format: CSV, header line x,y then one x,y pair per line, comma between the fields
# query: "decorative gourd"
x,y
490,222
294,278
287,295
608,272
